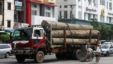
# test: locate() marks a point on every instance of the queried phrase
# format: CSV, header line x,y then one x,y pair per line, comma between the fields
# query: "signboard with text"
x,y
18,5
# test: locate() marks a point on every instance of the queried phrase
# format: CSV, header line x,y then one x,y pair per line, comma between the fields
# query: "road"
x,y
51,59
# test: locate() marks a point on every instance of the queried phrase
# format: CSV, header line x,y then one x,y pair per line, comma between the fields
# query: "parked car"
x,y
5,50
107,48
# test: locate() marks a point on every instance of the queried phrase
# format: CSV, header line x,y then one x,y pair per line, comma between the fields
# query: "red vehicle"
x,y
29,43
36,42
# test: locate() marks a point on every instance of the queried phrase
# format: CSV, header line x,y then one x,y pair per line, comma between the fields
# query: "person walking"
x,y
98,53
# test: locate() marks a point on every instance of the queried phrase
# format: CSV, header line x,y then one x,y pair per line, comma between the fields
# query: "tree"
x,y
5,37
106,30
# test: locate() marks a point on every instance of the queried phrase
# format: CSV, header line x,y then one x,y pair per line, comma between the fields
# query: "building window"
x,y
110,19
1,8
65,6
79,0
65,14
85,16
102,18
60,14
89,1
48,8
60,6
94,16
71,15
8,23
65,0
34,12
48,14
110,6
80,14
9,6
89,16
34,6
102,2
107,5
42,10
95,2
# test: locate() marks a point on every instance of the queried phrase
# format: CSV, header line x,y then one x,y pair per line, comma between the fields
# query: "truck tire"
x,y
20,58
81,55
39,58
90,57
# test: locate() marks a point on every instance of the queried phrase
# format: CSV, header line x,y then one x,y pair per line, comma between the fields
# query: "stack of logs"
x,y
70,33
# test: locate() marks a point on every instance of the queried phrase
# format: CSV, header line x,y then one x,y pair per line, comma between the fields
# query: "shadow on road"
x,y
30,61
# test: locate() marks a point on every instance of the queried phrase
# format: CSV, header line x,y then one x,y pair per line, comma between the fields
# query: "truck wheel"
x,y
81,55
90,57
20,58
39,56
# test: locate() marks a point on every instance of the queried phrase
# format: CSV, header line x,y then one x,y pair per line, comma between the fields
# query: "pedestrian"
x,y
98,53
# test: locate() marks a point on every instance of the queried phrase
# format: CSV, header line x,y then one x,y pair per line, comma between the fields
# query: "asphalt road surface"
x,y
51,59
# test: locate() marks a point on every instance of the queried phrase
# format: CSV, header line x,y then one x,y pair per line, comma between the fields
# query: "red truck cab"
x,y
29,42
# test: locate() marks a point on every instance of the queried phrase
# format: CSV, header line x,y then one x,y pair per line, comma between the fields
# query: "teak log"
x,y
60,41
74,33
60,26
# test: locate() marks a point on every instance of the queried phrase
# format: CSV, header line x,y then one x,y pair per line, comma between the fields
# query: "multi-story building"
x,y
6,13
44,9
102,10
30,11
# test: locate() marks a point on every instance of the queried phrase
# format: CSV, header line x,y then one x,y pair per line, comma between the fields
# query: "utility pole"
x,y
24,9
3,13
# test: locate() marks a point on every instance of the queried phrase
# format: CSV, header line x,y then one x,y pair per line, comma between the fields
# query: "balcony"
x,y
45,2
37,1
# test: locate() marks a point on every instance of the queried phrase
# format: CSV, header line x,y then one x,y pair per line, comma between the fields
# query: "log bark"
x,y
60,41
61,26
74,33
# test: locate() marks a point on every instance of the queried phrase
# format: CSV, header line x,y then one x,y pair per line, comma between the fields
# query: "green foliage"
x,y
106,30
5,37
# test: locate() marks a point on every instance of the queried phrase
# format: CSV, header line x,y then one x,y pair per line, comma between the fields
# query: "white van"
x,y
107,48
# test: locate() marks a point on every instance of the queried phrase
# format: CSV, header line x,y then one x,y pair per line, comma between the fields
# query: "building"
x,y
31,11
42,10
6,13
101,10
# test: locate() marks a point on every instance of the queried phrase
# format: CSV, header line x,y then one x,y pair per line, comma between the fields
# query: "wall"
x,y
38,19
8,14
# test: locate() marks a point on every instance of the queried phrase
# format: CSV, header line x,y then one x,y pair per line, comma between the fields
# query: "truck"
x,y
66,41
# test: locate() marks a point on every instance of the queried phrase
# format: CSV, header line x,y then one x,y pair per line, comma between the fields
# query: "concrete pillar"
x,y
28,12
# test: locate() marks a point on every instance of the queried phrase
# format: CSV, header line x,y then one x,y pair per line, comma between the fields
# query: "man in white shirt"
x,y
98,53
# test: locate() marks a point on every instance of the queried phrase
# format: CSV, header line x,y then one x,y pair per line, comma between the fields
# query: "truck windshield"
x,y
22,34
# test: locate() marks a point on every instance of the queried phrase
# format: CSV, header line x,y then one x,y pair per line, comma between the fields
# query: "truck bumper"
x,y
23,51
